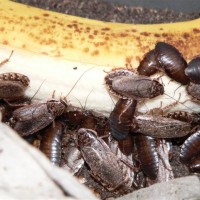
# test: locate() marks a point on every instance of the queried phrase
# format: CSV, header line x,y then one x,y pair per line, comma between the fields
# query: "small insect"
x,y
190,148
32,118
147,154
137,87
149,65
172,62
193,70
121,118
161,127
104,165
13,85
51,142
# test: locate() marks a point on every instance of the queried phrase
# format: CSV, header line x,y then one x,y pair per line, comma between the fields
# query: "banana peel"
x,y
62,52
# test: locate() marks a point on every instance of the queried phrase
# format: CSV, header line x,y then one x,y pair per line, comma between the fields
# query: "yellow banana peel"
x,y
58,48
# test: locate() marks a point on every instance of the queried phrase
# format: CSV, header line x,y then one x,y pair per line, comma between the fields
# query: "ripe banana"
x,y
59,49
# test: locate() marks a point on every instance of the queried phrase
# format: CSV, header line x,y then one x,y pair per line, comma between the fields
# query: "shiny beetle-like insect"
x,y
193,70
147,154
149,65
172,62
190,148
167,58
121,118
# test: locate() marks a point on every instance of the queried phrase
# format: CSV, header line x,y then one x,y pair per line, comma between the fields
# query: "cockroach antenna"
x,y
87,99
78,81
177,101
37,91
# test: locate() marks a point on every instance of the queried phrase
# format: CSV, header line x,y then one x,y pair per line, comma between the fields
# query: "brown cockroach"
x,y
116,73
161,127
104,165
172,62
121,118
137,87
190,148
193,70
149,65
147,154
32,118
13,85
51,142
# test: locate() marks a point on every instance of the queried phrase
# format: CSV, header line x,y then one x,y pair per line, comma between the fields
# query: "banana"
x,y
58,50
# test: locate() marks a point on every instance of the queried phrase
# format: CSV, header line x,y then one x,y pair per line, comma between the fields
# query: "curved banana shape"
x,y
57,49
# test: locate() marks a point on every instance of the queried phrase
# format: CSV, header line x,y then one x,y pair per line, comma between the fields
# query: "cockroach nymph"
x,y
148,155
121,118
193,70
149,65
51,142
190,148
172,62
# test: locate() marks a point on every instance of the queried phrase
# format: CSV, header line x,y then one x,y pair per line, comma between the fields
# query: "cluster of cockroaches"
x,y
126,151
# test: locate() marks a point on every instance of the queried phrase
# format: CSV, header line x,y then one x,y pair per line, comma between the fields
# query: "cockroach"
x,y
51,142
121,118
161,127
32,118
192,118
193,90
164,172
116,73
137,87
147,154
13,85
104,165
190,148
193,70
149,65
172,62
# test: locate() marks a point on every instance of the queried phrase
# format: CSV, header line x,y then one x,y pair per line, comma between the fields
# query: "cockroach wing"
x,y
31,126
30,112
